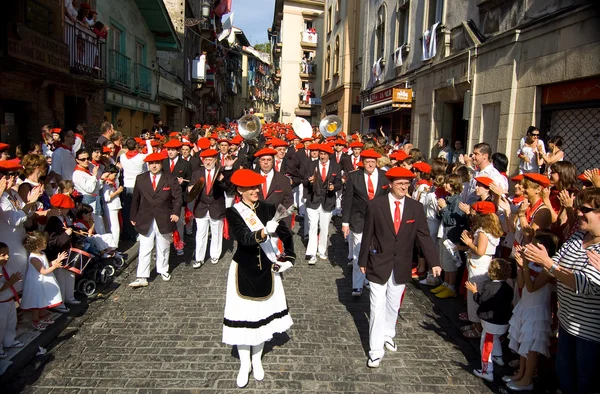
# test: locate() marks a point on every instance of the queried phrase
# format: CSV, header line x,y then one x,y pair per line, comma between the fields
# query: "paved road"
x,y
167,338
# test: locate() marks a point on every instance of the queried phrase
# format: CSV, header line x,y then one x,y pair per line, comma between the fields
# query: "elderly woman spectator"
x,y
575,268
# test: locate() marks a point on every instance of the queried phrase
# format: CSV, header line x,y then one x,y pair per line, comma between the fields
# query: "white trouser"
x,y
228,201
66,282
8,323
490,344
299,199
163,249
216,237
99,224
101,242
190,226
181,223
115,227
358,278
385,303
318,219
338,201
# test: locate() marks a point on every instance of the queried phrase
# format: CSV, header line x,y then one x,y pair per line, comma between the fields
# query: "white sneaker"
x,y
430,280
197,264
166,277
321,256
313,260
498,360
139,282
484,375
214,261
373,363
391,345
73,301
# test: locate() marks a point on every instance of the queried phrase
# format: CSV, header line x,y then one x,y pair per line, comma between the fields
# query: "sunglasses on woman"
x,y
586,209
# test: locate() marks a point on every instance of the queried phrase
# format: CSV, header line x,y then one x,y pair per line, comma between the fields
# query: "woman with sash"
x,y
255,303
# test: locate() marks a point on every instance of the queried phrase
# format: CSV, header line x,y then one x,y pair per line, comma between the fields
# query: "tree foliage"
x,y
265,47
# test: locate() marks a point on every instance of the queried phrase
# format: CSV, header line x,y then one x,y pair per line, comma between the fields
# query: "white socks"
x,y
244,353
257,369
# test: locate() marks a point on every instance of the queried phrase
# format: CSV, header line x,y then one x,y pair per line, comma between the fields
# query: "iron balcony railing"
x,y
85,54
143,80
119,70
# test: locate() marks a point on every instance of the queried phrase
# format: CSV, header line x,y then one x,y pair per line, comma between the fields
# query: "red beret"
x,y
340,141
307,140
154,143
299,145
399,172
4,146
247,178
62,201
139,140
314,147
209,153
291,136
517,178
55,130
265,152
277,143
213,136
187,143
236,140
197,125
220,140
540,179
106,149
484,180
484,207
422,166
399,155
9,166
357,144
203,143
154,157
173,144
173,134
583,178
369,154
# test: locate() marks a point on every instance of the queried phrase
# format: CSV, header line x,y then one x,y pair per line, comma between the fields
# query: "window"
x,y
328,63
338,14
117,39
308,24
140,53
336,59
329,19
380,34
403,24
434,12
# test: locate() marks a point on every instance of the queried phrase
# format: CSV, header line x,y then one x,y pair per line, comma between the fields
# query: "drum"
x,y
77,261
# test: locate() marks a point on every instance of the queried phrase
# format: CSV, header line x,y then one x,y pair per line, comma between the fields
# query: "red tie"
x,y
337,158
154,182
323,173
208,183
12,288
370,188
355,161
222,160
264,187
277,164
397,217
172,165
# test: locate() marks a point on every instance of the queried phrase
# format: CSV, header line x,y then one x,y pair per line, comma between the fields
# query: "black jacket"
x,y
495,302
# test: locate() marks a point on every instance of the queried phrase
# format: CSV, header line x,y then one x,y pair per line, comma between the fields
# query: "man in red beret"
x,y
182,170
155,210
351,163
393,223
324,178
277,188
362,186
296,169
281,162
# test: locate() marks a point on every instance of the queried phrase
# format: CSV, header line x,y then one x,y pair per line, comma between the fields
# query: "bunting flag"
x,y
398,56
430,42
377,70
224,7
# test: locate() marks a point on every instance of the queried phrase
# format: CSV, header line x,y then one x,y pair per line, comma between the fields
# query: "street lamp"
x,y
205,8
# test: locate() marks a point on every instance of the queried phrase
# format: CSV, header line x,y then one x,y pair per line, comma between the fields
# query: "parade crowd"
x,y
522,250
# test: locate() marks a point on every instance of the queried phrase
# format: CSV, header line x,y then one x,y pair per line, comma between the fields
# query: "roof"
x,y
157,18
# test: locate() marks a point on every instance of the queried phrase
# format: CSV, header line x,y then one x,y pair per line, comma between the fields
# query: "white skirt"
x,y
251,322
530,324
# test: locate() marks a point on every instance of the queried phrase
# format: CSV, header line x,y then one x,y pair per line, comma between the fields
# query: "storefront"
x,y
130,115
389,108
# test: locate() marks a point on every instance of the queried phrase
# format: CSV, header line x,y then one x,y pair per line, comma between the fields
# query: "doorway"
x,y
75,111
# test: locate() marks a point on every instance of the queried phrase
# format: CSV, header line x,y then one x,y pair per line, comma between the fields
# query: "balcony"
x,y
308,70
309,39
119,70
143,80
85,55
312,102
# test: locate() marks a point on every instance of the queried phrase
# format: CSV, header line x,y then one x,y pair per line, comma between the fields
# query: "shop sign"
x,y
384,110
568,92
402,96
331,107
36,48
382,95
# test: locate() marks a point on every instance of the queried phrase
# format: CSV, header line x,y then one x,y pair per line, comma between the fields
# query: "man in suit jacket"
x,y
277,190
350,163
223,157
362,186
209,205
186,154
340,158
392,225
323,179
281,162
155,210
296,167
182,170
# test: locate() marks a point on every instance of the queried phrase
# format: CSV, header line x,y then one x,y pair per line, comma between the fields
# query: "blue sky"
x,y
254,17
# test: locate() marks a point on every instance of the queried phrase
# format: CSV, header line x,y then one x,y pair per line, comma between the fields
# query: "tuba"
x,y
249,127
330,125
302,128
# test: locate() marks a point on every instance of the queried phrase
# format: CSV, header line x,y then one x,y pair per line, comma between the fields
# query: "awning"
x,y
159,22
378,105
385,107
303,112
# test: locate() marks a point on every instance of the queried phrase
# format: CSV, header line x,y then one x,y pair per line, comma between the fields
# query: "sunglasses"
x,y
84,159
586,209
535,135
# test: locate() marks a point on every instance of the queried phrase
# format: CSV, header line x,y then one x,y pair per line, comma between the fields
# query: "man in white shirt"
x,y
132,164
482,154
63,160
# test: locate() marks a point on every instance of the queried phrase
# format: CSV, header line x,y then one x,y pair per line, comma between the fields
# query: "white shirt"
x,y
113,204
355,161
85,183
77,145
132,168
157,179
63,163
374,179
174,161
392,200
320,168
491,172
269,178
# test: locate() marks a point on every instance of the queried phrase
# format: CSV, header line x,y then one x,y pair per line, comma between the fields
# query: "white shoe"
x,y
391,345
258,371
73,302
197,264
139,282
166,277
214,261
321,256
373,363
484,375
313,260
498,360
242,378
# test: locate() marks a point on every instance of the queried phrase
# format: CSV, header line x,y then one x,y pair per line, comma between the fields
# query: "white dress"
x,y
12,222
40,291
530,323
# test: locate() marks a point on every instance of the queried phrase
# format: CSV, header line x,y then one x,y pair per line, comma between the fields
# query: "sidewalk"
x,y
66,325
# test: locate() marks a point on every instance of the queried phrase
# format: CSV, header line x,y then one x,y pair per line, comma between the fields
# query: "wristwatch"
x,y
552,268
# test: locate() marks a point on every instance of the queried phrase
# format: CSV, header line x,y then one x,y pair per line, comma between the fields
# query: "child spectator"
x,y
8,312
495,302
530,326
41,290
110,194
481,247
98,244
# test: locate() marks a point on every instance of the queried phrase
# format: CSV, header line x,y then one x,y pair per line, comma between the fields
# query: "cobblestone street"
x,y
167,338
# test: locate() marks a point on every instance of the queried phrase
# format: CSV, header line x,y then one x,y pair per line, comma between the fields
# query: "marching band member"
x,y
182,170
298,163
276,189
387,262
350,163
362,186
281,162
337,156
255,303
155,210
186,154
209,205
323,179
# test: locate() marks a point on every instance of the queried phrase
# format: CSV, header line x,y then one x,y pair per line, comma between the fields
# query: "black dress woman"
x,y
255,304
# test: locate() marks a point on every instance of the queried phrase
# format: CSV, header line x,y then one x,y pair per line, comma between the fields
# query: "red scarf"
x,y
111,183
424,182
518,200
79,136
131,154
79,168
532,210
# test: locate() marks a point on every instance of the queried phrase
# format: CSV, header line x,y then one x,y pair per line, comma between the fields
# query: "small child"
x,y
495,303
41,290
110,194
8,312
97,244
